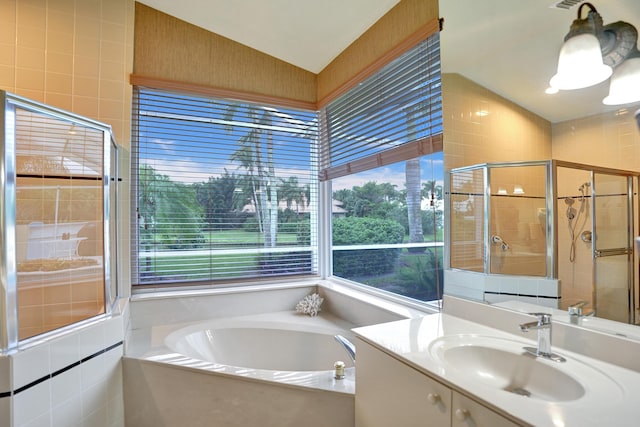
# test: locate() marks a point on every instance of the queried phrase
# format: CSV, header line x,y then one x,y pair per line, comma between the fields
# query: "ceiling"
x,y
508,46
511,47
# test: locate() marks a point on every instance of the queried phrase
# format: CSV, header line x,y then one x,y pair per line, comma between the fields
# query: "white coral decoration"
x,y
310,305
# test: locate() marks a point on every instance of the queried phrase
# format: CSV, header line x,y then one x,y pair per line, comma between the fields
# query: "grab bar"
x,y
348,346
598,253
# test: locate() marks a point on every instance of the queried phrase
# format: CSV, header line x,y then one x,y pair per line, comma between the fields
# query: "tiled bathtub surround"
x,y
497,288
72,380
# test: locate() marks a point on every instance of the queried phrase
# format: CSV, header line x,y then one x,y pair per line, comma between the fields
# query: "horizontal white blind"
x,y
224,190
401,104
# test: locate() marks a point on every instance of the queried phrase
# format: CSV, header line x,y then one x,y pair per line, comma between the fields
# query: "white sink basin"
x,y
503,365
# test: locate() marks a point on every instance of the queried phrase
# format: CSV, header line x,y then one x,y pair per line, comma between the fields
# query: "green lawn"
x,y
194,267
243,238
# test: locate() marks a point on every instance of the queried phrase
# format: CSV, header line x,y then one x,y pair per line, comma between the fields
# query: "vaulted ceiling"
x,y
509,46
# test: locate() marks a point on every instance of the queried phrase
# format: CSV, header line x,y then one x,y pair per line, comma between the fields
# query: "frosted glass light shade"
x,y
580,64
625,83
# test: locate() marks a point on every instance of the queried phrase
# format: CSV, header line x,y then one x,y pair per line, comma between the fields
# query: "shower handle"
x,y
497,240
599,253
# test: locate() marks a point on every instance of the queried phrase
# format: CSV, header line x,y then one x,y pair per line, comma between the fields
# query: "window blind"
x,y
224,190
394,115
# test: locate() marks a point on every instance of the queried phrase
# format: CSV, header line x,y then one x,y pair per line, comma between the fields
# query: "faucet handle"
x,y
576,309
543,318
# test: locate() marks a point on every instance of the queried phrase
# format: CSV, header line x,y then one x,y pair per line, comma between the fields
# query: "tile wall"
x,y
75,55
609,140
481,126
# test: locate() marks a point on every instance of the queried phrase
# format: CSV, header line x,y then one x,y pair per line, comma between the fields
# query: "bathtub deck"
x,y
148,344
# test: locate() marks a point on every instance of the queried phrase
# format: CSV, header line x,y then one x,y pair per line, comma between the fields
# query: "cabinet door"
x,y
469,413
390,393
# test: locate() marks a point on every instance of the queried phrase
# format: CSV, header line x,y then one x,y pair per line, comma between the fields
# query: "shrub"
x,y
362,231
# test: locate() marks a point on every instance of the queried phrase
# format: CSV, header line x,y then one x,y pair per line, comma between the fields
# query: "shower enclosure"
x,y
551,219
58,183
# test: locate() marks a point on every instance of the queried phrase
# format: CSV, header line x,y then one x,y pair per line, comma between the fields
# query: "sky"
x,y
192,139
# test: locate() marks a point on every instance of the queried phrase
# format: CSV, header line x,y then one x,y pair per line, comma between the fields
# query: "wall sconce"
x,y
592,53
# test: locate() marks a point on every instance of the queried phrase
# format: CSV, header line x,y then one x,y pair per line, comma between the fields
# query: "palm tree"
x,y
412,181
431,191
260,169
291,192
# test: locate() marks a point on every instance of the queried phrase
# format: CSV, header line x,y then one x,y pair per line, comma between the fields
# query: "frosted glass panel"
x,y
467,220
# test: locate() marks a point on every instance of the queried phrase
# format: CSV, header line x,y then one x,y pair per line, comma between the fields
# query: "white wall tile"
x,y
92,372
65,386
31,404
549,288
113,330
64,351
41,421
91,340
31,364
94,397
68,414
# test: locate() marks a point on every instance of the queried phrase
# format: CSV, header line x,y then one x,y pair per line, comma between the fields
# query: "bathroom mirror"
x,y
497,59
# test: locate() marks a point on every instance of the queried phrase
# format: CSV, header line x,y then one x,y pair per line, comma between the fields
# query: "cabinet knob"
x,y
462,414
433,398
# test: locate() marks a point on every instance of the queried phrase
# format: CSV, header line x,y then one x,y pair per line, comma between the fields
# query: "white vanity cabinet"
x,y
469,413
391,393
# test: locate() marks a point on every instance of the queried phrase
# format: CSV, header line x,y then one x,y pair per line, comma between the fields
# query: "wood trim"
x,y
199,89
421,34
406,151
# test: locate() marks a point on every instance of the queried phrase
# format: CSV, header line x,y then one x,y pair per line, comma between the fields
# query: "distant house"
x,y
336,208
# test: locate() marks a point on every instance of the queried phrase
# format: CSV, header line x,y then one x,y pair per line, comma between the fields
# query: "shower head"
x,y
584,186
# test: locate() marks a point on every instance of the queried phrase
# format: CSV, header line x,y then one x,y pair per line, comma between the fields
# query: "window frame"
x,y
137,283
431,144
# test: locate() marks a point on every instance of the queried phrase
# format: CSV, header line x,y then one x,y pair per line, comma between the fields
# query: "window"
x,y
383,158
224,190
227,190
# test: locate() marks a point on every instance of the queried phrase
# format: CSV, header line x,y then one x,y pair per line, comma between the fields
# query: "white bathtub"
x,y
299,345
243,357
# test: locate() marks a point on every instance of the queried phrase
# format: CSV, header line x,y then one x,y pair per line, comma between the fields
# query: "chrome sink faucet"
x,y
543,326
576,309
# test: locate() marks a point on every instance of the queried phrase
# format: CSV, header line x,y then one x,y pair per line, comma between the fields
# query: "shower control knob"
x,y
433,398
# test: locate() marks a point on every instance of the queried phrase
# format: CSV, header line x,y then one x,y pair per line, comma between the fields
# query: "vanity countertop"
x,y
611,397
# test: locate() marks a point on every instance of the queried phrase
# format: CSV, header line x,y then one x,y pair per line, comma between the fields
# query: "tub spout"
x,y
348,346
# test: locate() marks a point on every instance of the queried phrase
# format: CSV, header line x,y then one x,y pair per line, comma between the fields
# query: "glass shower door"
x,y
612,247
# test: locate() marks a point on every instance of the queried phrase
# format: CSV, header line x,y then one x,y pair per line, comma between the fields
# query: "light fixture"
x,y
581,65
517,189
625,83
